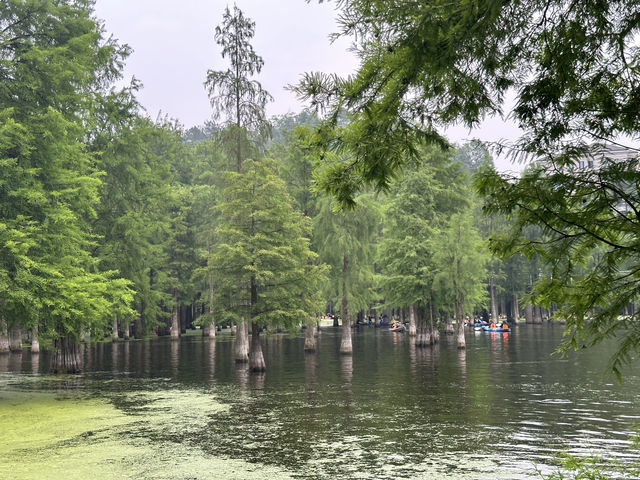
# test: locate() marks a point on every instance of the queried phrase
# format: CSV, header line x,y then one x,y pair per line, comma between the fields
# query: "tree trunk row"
x,y
66,356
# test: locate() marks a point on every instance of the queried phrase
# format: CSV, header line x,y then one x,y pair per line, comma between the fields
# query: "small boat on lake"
x,y
397,327
495,329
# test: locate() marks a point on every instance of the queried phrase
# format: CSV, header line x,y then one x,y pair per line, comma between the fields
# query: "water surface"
x,y
163,409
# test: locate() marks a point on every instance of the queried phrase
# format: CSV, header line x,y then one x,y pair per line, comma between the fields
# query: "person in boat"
x,y
504,325
492,325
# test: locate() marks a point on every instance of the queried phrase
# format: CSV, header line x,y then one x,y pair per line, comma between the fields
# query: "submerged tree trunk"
x,y
310,337
494,309
528,313
412,321
211,323
15,339
449,329
35,343
66,356
515,309
175,320
114,330
537,315
4,336
434,336
256,359
423,335
241,346
460,340
346,346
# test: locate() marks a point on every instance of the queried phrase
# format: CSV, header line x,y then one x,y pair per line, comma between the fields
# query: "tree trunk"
x,y
346,346
516,309
66,356
4,336
412,321
310,342
126,330
494,309
537,315
423,336
241,346
114,330
175,319
434,333
528,313
35,343
211,322
15,339
256,360
460,326
138,330
449,329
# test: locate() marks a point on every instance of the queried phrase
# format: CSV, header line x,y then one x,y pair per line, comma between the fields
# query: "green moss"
x,y
57,435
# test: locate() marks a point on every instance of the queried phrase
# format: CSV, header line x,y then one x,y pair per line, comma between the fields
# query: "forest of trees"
x,y
117,225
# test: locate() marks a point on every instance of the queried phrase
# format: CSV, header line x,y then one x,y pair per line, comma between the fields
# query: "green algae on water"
x,y
50,435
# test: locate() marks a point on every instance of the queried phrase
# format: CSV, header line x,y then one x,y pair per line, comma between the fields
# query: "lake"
x,y
176,410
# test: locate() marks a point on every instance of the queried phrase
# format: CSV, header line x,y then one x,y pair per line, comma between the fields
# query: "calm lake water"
x,y
175,410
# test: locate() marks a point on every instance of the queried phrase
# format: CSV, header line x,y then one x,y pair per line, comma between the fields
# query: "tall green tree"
x,y
241,101
419,205
345,241
264,268
54,69
209,162
233,94
133,216
460,259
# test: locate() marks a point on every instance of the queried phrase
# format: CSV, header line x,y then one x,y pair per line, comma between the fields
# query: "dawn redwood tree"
x,y
235,97
209,161
459,259
419,204
240,101
296,164
132,217
262,261
54,69
346,241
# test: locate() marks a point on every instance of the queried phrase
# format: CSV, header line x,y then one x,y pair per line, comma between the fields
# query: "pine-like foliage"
x,y
54,62
589,227
234,95
418,209
426,65
262,266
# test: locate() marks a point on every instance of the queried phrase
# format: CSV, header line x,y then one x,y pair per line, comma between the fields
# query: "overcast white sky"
x,y
173,47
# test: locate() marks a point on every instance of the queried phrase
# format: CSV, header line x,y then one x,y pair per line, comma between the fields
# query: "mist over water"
x,y
162,409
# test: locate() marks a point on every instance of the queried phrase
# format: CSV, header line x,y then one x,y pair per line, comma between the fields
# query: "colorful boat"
x,y
397,328
495,329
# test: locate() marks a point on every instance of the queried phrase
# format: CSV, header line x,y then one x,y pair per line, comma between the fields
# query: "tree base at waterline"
x,y
66,356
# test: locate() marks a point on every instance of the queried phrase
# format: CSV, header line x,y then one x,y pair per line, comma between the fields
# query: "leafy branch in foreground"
x,y
589,240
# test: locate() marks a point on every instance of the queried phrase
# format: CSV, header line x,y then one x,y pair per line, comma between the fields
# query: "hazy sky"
x,y
173,47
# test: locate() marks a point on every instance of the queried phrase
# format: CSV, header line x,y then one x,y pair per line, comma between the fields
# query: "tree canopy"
x,y
571,65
